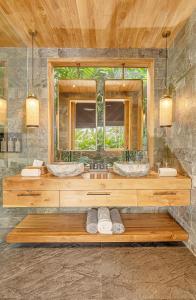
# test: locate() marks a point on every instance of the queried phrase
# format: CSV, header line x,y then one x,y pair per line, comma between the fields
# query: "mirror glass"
x,y
76,115
124,114
98,114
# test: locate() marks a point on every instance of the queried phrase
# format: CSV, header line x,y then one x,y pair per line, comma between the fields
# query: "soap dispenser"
x,y
17,145
3,145
10,145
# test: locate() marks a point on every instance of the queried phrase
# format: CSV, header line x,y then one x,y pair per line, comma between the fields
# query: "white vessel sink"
x,y
62,169
131,169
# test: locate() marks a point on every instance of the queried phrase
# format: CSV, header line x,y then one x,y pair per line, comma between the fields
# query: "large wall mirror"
x,y
99,112
123,115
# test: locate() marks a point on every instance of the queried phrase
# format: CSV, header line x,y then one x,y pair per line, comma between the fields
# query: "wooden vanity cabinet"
x,y
31,198
50,191
98,198
163,197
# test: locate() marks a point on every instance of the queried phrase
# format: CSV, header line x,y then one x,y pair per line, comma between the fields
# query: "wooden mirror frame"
x,y
103,62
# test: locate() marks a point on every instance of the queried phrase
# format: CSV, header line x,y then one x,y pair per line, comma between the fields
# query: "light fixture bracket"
x,y
166,103
33,33
32,102
166,34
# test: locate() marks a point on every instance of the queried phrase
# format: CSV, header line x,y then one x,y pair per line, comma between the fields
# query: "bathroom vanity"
x,y
93,189
101,119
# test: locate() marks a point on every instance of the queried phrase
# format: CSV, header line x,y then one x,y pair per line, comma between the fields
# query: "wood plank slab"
x,y
70,228
85,183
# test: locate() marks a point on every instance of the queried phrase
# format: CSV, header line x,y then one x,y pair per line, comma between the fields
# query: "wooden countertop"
x,y
96,180
111,175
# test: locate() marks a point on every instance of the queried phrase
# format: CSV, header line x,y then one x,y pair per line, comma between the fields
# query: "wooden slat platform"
x,y
70,228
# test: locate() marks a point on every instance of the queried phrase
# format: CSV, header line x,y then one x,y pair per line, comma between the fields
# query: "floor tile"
x,y
101,272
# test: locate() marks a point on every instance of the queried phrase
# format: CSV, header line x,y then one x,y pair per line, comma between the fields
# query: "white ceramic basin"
x,y
62,169
131,169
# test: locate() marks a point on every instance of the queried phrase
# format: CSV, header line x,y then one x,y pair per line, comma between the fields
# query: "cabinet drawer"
x,y
98,198
31,199
163,197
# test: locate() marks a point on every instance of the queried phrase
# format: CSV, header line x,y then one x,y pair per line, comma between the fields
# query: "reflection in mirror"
x,y
76,115
124,114
3,101
96,113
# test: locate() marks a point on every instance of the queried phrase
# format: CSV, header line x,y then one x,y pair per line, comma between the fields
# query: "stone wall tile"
x,y
181,140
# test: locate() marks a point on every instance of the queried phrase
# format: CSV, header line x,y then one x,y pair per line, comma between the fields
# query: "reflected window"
x,y
114,124
76,115
83,125
123,114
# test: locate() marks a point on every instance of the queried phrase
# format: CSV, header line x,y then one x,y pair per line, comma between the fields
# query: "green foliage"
x,y
114,137
99,73
136,73
85,139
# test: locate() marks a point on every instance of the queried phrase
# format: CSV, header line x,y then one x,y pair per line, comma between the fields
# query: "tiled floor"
x,y
102,272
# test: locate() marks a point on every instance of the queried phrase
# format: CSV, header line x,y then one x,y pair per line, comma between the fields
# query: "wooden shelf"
x,y
70,228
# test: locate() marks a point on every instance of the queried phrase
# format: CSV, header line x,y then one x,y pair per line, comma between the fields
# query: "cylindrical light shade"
x,y
32,112
166,104
3,112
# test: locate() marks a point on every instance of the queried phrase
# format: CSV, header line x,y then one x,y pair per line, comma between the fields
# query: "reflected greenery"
x,y
114,137
61,73
85,139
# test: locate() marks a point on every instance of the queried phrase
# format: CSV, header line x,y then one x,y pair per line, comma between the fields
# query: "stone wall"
x,y
35,141
181,138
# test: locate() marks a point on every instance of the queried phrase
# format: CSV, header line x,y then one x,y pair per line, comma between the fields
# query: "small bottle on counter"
x,y
3,145
10,145
17,145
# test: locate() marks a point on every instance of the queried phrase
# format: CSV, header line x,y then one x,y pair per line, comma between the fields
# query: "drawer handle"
x,y
98,194
28,195
164,193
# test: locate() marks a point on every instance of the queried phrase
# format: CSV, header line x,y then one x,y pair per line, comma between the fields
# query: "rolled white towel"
x,y
170,172
104,221
91,221
117,224
31,172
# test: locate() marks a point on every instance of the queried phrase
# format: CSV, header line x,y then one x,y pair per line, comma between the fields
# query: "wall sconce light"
x,y
32,103
166,105
166,101
32,112
3,111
